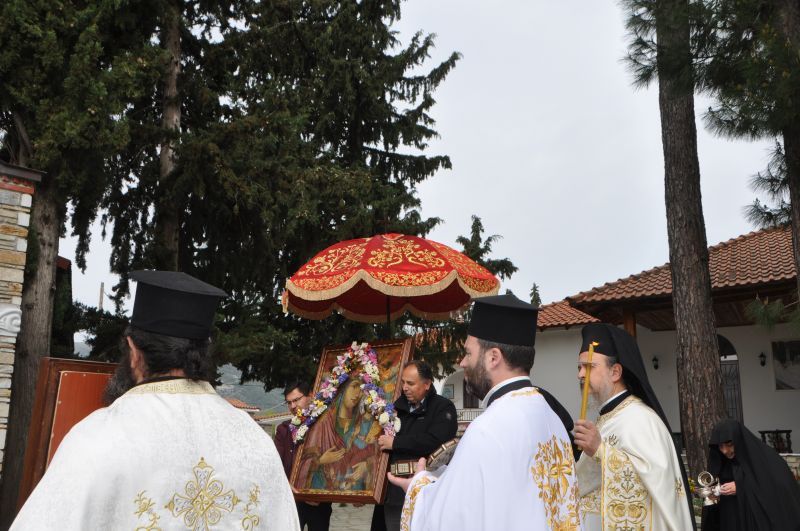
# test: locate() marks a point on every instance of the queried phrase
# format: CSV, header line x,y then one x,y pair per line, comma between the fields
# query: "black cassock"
x,y
767,495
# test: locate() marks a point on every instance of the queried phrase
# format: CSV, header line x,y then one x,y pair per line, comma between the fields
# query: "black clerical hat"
x,y
504,319
614,342
174,304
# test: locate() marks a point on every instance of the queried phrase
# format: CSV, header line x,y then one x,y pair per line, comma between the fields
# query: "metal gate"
x,y
731,388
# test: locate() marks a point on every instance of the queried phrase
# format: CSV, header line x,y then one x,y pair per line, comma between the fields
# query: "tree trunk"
x,y
33,340
791,150
167,209
788,12
698,352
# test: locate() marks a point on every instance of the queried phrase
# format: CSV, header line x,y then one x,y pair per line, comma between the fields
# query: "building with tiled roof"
x,y
238,404
756,264
562,315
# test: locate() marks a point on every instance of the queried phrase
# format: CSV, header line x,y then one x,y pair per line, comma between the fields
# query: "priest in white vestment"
x,y
629,473
169,453
513,468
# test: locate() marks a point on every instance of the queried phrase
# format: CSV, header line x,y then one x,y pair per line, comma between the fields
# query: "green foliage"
x,y
765,313
647,60
303,124
479,248
753,72
774,183
69,70
104,330
536,299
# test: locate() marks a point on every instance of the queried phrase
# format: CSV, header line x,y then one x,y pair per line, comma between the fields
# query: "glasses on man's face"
x,y
294,402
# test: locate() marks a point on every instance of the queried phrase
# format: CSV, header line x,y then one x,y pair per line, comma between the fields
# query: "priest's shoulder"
x,y
96,434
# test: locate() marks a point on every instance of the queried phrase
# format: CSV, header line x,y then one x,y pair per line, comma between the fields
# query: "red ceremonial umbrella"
x,y
378,279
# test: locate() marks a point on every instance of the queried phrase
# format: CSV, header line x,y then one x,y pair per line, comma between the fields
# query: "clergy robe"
x,y
513,470
633,481
166,455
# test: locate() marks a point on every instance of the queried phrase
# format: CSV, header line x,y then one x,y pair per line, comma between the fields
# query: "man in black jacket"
x,y
427,421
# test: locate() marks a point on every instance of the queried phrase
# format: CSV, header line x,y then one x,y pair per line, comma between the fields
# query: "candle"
x,y
585,398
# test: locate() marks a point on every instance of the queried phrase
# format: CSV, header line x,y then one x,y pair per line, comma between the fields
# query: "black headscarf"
x,y
614,342
767,494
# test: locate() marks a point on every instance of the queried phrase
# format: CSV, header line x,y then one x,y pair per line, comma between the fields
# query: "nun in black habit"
x,y
766,495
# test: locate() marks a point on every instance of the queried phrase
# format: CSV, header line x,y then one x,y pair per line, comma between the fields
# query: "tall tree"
x,y
302,124
68,70
661,45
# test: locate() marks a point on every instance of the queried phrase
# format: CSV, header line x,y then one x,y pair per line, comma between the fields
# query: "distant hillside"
x,y
250,392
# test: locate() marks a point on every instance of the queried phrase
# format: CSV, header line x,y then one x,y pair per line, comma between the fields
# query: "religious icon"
x,y
339,458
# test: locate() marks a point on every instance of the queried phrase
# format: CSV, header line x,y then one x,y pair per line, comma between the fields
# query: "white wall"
x,y
555,367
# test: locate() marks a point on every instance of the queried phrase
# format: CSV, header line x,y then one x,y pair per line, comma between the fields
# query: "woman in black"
x,y
757,489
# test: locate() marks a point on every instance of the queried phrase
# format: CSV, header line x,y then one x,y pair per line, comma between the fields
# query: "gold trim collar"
x,y
174,387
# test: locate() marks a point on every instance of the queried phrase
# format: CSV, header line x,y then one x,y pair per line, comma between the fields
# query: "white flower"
x,y
396,425
384,418
296,420
301,431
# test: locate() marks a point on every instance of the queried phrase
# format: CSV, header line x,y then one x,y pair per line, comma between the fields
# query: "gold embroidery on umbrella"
x,y
627,502
335,260
394,252
144,506
250,521
552,468
203,500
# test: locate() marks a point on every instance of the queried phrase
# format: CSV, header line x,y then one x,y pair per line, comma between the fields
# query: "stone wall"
x,y
16,196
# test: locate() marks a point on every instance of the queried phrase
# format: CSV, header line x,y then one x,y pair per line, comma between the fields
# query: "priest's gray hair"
x,y
516,356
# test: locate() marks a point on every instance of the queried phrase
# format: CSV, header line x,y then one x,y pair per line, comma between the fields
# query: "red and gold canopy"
x,y
370,279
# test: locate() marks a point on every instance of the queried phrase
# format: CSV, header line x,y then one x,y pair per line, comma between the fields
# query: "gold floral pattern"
x,y
626,500
144,507
335,259
203,500
395,252
590,503
411,500
323,283
426,278
553,467
250,520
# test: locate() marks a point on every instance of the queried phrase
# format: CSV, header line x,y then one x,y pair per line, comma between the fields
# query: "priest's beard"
x,y
597,397
476,379
122,380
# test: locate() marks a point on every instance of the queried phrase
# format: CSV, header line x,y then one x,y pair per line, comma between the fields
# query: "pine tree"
x,y
536,299
665,44
302,125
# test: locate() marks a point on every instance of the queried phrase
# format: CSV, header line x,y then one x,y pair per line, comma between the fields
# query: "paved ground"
x,y
349,518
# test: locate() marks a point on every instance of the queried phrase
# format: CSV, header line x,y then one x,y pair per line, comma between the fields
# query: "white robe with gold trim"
x,y
513,470
166,455
634,479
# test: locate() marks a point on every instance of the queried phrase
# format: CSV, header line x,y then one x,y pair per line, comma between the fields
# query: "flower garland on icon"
x,y
356,356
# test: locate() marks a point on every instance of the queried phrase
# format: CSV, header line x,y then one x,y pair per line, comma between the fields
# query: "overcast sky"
x,y
551,146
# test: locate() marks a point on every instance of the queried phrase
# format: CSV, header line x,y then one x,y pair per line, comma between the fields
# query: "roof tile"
x,y
759,257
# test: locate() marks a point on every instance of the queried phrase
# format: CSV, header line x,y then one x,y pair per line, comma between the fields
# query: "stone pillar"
x,y
16,195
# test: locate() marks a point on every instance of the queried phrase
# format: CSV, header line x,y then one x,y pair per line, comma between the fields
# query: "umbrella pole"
x,y
388,318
